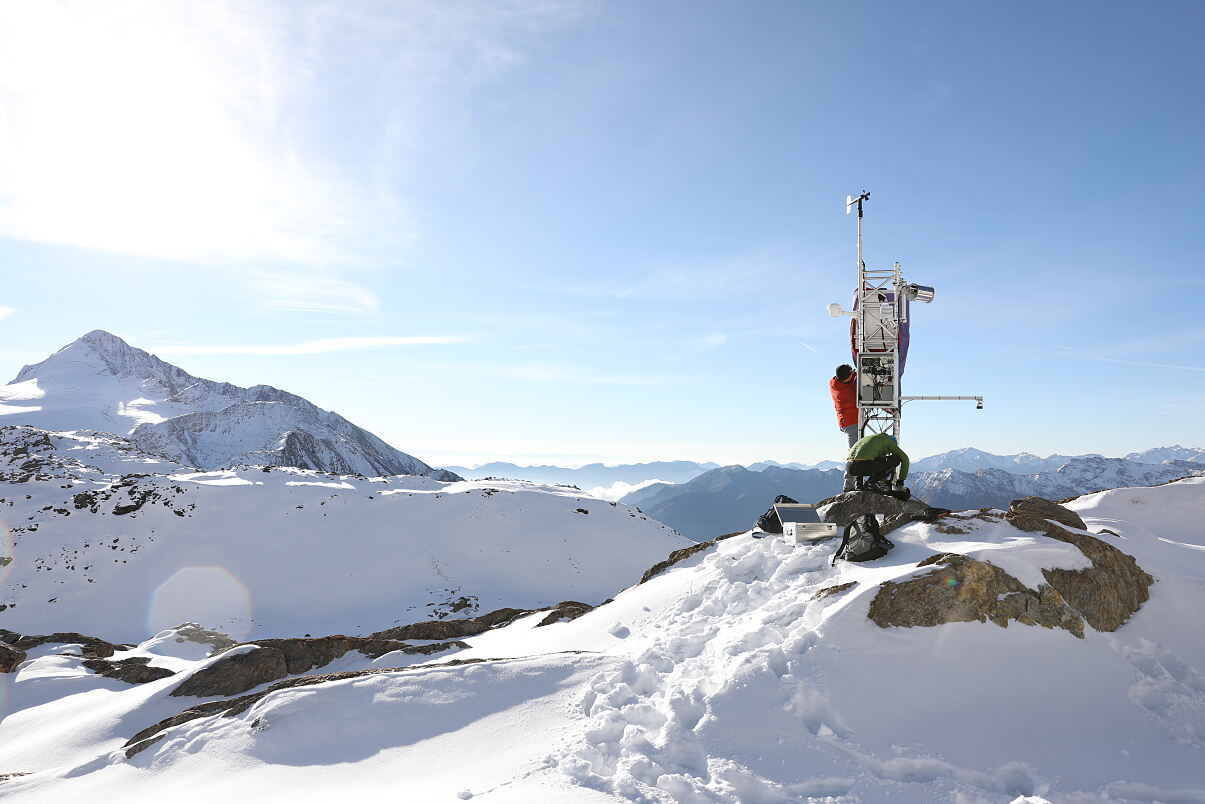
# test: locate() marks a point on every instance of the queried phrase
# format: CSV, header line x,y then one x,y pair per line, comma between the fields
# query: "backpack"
x,y
769,521
862,541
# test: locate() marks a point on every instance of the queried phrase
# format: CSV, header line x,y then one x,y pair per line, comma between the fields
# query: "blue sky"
x,y
573,231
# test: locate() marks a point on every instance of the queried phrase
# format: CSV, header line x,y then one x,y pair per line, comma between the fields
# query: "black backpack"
x,y
862,541
769,522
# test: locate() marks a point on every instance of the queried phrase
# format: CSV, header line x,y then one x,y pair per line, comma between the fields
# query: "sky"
x,y
568,231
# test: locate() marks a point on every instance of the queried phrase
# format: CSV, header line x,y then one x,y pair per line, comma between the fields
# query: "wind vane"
x,y
879,338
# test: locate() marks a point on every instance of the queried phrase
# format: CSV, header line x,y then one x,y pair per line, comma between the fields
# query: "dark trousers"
x,y
879,470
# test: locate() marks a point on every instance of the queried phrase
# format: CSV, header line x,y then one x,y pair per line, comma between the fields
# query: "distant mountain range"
x,y
731,498
590,475
101,383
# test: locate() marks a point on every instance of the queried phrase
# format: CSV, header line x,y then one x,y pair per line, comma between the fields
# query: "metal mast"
x,y
880,315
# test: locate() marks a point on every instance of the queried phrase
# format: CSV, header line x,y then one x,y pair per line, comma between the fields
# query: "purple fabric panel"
x,y
904,332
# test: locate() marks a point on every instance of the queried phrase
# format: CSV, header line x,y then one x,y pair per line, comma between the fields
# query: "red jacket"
x,y
845,399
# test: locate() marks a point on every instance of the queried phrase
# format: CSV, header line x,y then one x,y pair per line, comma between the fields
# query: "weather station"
x,y
879,335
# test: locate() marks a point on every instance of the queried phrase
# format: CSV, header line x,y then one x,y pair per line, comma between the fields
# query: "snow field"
x,y
721,680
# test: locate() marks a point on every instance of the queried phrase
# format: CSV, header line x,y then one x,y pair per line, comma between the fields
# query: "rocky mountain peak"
x,y
105,353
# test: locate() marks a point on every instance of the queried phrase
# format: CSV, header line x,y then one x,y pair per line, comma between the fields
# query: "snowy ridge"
x,y
105,539
970,459
101,383
748,673
995,488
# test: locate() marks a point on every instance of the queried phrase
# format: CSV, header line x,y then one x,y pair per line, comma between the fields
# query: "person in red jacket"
x,y
844,388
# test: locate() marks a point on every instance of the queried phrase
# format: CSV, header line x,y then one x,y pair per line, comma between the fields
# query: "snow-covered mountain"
x,y
731,497
970,459
1161,454
101,383
749,672
107,539
591,475
995,488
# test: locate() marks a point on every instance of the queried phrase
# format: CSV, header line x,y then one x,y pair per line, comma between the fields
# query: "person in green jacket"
x,y
875,457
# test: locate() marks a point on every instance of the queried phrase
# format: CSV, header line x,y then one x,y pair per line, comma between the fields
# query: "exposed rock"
x,y
194,632
828,591
236,706
235,673
305,654
135,670
1106,595
564,611
92,648
271,659
451,629
966,590
1032,513
682,555
10,657
848,506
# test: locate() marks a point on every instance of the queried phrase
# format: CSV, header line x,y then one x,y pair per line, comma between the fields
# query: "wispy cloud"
x,y
312,292
5,312
809,347
1076,353
227,131
741,274
710,341
308,348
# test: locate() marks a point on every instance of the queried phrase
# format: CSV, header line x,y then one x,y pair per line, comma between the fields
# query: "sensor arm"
x,y
978,399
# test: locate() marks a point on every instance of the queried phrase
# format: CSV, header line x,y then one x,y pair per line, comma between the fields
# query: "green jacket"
x,y
876,446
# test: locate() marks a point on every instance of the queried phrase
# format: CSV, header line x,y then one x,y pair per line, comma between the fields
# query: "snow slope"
x,y
108,541
101,383
724,679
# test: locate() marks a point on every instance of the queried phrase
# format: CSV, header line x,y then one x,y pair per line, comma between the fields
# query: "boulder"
x,y
92,648
848,506
10,657
965,590
564,611
1108,593
451,629
194,632
271,659
135,670
1033,513
235,673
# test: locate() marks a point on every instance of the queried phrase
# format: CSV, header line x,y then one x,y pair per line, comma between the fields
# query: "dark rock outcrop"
x,y
1033,513
92,648
682,555
848,506
564,611
272,659
829,591
966,590
10,657
235,673
452,629
1108,593
135,670
194,632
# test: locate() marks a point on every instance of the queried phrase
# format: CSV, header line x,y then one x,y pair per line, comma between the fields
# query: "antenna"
x,y
879,338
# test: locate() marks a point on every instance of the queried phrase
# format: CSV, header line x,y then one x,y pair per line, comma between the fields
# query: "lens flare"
x,y
211,596
953,582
